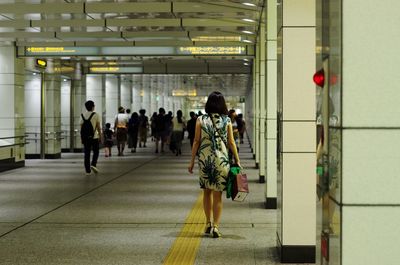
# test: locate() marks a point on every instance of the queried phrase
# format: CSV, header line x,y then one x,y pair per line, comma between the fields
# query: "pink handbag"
x,y
240,188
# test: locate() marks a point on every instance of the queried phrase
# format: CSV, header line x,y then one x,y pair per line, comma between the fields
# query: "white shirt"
x,y
122,120
93,120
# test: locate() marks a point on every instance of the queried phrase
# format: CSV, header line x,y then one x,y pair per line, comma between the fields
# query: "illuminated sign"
x,y
64,69
114,70
150,51
41,63
34,50
184,93
212,50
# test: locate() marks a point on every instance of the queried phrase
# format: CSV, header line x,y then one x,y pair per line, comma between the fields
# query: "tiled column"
x,y
271,189
146,90
136,87
52,83
32,114
12,110
257,106
112,98
364,143
65,114
262,100
126,93
94,92
297,160
78,90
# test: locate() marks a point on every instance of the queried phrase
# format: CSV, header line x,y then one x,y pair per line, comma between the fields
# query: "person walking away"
x,y
143,127
108,139
191,127
153,126
241,126
178,127
213,137
90,135
233,117
133,131
121,128
161,130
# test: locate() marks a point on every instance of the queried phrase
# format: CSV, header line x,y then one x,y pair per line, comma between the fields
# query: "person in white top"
x,y
93,142
178,127
121,129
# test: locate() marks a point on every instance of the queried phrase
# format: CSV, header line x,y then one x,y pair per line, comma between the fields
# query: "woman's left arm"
x,y
232,145
196,144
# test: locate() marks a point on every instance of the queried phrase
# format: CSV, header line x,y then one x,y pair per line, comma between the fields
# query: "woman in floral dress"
x,y
213,137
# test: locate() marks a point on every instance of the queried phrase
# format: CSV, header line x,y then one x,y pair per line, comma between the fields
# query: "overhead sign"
x,y
212,50
115,70
147,51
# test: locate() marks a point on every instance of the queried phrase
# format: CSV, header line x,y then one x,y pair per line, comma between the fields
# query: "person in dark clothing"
x,y
153,126
241,126
93,142
161,129
133,131
143,127
191,127
108,139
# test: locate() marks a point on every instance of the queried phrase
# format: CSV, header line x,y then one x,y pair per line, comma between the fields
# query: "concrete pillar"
x,y
136,88
65,114
271,95
145,93
362,198
94,92
257,106
126,92
297,125
12,112
52,84
112,98
262,99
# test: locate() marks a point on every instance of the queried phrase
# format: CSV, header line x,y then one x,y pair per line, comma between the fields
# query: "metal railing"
x,y
13,144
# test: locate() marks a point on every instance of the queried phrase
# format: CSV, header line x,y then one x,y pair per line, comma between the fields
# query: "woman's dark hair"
x,y
142,111
216,104
89,105
179,116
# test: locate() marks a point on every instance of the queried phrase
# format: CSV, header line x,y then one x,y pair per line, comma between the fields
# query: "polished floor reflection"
x,y
130,213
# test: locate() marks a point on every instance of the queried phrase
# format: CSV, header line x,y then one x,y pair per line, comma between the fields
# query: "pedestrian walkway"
x,y
133,212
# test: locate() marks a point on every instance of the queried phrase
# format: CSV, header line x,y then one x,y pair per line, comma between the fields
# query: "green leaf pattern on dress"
x,y
213,153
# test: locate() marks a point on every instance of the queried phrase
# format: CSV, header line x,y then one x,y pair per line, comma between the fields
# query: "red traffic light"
x,y
319,78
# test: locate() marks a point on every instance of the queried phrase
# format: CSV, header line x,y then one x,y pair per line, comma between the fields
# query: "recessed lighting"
x,y
246,64
246,60
247,32
248,20
34,73
248,4
248,41
65,80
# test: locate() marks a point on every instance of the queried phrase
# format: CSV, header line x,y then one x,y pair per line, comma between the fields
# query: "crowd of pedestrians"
x,y
131,130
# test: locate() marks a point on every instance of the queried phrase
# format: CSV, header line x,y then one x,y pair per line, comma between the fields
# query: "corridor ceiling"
x,y
126,26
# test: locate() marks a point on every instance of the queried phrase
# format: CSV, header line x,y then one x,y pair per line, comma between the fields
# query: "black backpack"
x,y
87,131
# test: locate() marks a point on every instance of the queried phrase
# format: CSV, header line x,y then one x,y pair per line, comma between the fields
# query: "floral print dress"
x,y
213,153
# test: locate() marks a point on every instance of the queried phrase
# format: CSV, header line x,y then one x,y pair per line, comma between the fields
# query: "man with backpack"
x,y
90,136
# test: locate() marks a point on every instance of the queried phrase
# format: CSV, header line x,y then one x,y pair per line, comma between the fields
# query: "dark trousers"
x,y
88,147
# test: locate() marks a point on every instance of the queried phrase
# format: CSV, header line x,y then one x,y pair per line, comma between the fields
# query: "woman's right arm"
x,y
196,144
232,145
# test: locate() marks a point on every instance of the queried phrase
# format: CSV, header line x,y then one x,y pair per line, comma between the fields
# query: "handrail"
x,y
9,145
13,137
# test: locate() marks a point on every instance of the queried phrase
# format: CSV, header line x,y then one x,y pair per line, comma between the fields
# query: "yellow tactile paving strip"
x,y
185,247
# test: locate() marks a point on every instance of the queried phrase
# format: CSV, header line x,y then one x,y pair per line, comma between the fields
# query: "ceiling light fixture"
x,y
248,20
247,32
248,41
248,4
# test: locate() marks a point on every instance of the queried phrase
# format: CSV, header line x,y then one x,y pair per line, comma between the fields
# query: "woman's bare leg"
x,y
217,206
207,201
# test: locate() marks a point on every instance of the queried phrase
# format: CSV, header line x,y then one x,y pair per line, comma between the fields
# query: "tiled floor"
x,y
130,213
